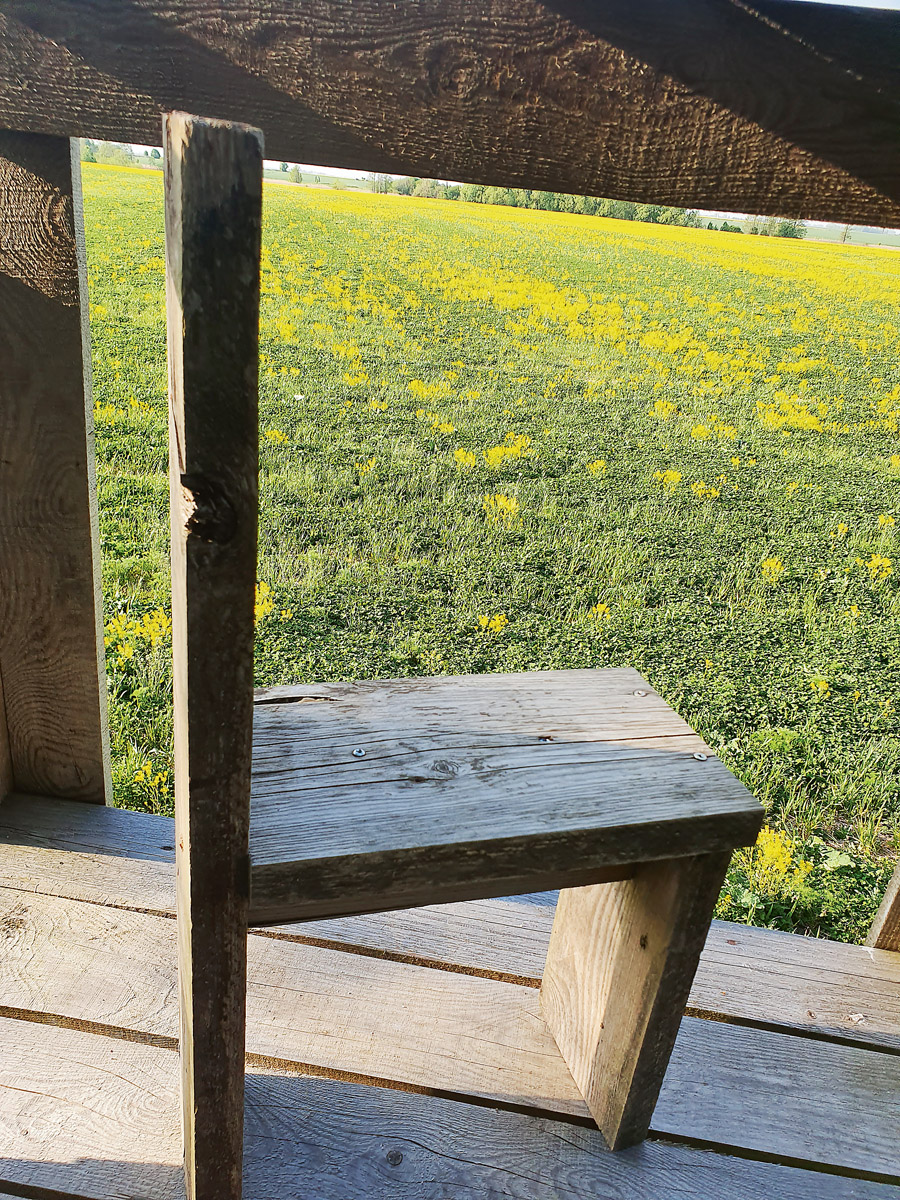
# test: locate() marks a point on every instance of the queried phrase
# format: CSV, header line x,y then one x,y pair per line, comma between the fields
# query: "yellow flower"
x,y
515,446
895,462
772,569
275,435
885,521
668,479
820,686
879,567
600,612
663,409
597,467
365,467
841,531
852,612
465,458
703,491
500,508
701,432
494,624
263,604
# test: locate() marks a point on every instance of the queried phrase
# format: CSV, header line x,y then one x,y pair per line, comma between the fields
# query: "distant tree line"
x,y
114,154
591,206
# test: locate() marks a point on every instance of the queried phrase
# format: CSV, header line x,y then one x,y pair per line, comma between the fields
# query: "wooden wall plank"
x,y
885,931
407,1026
213,235
94,1118
51,644
695,102
6,774
110,856
620,964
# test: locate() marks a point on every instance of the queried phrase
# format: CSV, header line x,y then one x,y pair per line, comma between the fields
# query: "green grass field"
x,y
495,439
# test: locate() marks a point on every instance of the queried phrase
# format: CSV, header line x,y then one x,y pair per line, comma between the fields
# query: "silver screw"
x,y
640,693
700,757
545,739
358,753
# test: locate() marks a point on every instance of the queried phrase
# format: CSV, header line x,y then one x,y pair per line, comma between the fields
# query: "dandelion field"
x,y
497,439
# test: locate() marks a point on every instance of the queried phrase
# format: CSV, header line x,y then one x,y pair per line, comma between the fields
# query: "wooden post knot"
x,y
208,513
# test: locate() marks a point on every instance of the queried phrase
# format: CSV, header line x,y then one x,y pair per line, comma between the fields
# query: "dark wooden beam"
x,y
52,676
213,229
773,107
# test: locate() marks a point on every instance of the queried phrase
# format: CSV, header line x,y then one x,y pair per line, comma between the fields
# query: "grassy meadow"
x,y
495,439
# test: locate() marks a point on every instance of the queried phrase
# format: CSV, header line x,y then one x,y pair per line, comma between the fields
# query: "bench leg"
x,y
213,223
620,964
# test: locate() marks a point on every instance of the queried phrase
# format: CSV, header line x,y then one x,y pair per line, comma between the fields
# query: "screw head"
x,y
394,1157
640,693
700,757
359,753
546,738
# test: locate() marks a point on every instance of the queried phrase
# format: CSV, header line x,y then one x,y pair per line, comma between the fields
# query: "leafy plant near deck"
x,y
496,439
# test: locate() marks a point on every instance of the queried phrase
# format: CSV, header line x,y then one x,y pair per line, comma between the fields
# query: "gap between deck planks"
x,y
125,860
465,1036
93,1119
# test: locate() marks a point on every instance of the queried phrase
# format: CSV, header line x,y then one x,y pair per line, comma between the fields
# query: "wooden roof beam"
x,y
777,107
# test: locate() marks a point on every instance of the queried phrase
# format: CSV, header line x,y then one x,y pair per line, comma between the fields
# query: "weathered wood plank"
x,y
885,931
793,1098
51,643
213,190
619,968
703,103
110,856
6,775
96,1118
414,1027
393,793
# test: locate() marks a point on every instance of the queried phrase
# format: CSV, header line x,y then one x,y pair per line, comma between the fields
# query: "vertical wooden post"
x,y
620,964
213,228
885,931
53,738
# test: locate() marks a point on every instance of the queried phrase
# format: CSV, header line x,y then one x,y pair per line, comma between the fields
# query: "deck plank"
x,y
393,793
96,1118
406,1026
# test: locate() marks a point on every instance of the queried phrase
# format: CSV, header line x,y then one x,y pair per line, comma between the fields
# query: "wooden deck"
x,y
403,1055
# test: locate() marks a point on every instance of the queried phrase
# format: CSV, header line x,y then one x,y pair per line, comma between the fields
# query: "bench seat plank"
x,y
392,793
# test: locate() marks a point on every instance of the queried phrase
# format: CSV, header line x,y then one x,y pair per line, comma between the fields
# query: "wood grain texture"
x,y
89,1117
885,931
403,1026
619,968
704,103
113,857
6,775
52,673
395,793
213,187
